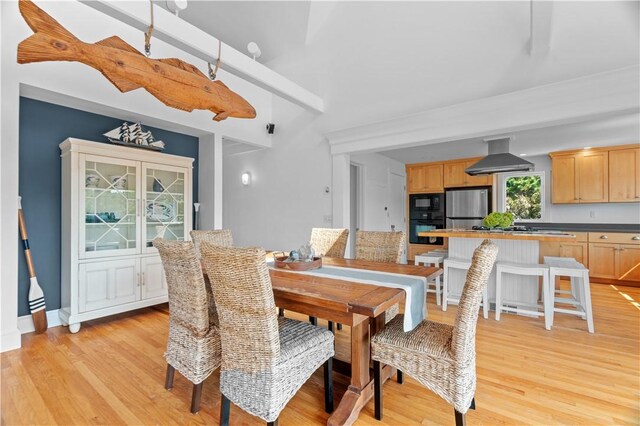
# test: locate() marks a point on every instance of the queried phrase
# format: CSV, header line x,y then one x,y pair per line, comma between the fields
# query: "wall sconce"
x,y
246,178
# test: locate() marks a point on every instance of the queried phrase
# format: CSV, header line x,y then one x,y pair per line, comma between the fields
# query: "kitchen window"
x,y
523,196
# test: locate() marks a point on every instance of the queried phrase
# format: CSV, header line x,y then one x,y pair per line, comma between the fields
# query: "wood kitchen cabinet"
x,y
455,176
577,249
614,256
624,175
563,180
424,178
582,177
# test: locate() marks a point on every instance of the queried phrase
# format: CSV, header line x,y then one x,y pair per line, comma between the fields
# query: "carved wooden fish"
x,y
174,82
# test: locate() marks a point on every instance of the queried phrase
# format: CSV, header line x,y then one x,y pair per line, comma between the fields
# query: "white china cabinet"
x,y
115,201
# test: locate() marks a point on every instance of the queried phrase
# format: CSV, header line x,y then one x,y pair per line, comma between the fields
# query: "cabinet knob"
x,y
636,238
604,237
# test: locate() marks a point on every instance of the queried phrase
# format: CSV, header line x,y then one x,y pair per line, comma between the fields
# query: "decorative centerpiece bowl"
x,y
303,259
285,262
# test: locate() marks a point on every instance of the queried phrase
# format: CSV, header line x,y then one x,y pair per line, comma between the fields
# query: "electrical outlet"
x,y
327,218
593,213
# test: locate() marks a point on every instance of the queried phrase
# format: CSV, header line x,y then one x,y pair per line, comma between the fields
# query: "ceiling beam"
x,y
586,98
540,21
179,33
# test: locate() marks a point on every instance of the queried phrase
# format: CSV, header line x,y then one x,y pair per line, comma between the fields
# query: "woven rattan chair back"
x,y
246,307
464,332
188,301
329,242
380,246
219,237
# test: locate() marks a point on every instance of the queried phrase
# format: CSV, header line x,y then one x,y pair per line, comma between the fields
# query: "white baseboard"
x,y
10,340
25,322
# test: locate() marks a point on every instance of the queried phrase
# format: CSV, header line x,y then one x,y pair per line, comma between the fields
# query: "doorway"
x,y
397,206
355,206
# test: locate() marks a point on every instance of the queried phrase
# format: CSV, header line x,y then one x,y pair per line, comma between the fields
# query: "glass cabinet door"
x,y
165,204
109,196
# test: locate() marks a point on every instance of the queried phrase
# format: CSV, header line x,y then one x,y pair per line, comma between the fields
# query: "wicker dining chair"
x,y
265,358
329,242
440,356
193,347
221,237
381,247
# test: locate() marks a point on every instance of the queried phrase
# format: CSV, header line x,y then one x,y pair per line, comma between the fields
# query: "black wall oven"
x,y
426,213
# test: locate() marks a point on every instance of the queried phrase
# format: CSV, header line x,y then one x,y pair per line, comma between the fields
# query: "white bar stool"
x,y
435,258
580,293
464,264
535,270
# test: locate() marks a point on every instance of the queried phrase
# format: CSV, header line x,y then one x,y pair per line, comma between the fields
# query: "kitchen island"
x,y
513,246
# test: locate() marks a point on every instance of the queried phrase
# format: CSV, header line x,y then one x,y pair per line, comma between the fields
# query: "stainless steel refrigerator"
x,y
467,207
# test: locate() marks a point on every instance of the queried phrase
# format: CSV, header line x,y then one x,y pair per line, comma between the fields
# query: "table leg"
x,y
360,391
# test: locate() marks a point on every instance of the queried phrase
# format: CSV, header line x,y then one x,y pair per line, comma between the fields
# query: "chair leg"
x,y
460,419
473,404
587,301
225,410
313,320
330,326
377,389
445,287
195,397
399,377
339,326
168,382
438,297
546,303
280,312
273,423
552,294
498,294
328,385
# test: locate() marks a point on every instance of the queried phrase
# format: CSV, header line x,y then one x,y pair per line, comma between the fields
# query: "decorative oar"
x,y
36,296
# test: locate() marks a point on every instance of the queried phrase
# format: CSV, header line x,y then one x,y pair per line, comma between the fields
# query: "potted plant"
x,y
498,220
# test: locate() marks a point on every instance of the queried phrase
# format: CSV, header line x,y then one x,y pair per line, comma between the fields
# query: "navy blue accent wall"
x,y
43,126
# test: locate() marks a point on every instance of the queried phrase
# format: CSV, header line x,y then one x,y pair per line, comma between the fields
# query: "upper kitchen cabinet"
x,y
424,178
580,176
455,176
624,175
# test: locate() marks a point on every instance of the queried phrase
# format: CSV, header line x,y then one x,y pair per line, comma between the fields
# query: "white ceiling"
x,y
377,60
276,26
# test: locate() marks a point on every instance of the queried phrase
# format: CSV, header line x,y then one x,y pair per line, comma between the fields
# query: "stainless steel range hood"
x,y
499,160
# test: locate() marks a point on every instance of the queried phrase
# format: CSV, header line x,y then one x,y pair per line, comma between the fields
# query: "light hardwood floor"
x,y
112,372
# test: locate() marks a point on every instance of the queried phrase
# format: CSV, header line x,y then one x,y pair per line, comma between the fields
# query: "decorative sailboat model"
x,y
133,134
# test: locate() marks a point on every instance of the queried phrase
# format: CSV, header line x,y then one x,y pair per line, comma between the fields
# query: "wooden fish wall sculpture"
x,y
174,82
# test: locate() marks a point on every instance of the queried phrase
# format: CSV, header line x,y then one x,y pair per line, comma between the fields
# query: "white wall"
x,y
78,86
287,195
578,213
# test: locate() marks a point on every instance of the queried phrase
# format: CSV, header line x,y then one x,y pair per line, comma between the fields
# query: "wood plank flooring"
x,y
112,372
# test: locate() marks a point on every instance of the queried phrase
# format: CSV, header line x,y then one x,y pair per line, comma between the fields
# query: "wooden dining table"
x,y
360,306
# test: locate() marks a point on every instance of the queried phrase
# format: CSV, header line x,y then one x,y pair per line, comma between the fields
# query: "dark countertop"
x,y
584,227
